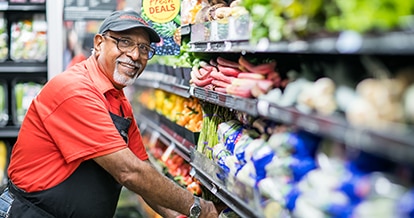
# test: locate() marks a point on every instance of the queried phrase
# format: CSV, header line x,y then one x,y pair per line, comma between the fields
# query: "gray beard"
x,y
123,80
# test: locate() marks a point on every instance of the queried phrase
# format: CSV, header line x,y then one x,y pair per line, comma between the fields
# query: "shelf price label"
x,y
229,102
227,46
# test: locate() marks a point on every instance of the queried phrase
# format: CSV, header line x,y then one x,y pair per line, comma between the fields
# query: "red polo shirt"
x,y
67,123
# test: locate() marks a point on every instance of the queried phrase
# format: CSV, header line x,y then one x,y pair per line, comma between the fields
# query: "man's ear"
x,y
97,41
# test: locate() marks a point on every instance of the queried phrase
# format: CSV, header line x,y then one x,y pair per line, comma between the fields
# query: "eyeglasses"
x,y
126,45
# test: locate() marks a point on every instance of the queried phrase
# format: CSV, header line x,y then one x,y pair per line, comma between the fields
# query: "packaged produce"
x,y
4,116
17,1
24,93
3,38
37,1
29,39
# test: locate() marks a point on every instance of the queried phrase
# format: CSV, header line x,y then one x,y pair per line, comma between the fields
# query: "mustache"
x,y
129,61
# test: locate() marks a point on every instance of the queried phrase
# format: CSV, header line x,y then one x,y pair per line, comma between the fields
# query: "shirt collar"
x,y
99,78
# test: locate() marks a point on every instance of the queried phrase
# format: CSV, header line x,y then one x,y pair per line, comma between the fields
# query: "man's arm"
x,y
143,179
164,212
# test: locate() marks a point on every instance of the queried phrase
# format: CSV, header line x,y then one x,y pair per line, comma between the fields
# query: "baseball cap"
x,y
125,20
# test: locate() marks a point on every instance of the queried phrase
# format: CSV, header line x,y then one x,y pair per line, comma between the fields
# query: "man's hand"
x,y
208,210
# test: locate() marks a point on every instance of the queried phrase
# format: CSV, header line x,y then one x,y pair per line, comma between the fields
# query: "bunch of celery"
x,y
213,115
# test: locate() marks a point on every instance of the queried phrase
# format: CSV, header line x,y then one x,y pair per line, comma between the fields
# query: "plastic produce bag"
x,y
24,94
3,38
29,39
4,117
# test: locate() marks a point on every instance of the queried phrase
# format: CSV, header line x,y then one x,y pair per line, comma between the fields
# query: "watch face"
x,y
195,211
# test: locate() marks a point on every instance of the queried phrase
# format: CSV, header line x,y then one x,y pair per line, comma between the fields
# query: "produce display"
x,y
24,93
4,116
4,37
241,78
278,20
383,102
172,164
29,39
289,168
281,20
185,112
213,116
280,170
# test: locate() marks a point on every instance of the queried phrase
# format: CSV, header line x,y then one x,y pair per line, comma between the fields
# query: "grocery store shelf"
x,y
149,119
237,103
4,6
344,43
9,131
23,67
395,143
165,82
206,171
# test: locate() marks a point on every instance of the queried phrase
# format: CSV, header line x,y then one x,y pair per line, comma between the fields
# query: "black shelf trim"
x,y
9,131
23,7
392,43
393,143
169,137
23,67
218,188
237,103
165,82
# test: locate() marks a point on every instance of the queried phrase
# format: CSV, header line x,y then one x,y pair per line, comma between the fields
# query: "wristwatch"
x,y
195,209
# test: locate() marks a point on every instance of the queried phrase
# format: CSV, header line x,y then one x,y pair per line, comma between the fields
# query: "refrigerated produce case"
x,y
330,138
23,60
357,163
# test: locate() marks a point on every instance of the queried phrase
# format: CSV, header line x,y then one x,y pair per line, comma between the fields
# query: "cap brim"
x,y
154,37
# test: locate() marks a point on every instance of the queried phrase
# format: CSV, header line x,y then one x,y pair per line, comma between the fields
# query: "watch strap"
x,y
195,209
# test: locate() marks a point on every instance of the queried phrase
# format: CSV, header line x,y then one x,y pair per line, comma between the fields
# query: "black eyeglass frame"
x,y
151,50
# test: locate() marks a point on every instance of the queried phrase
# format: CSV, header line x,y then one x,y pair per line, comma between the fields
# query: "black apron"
x,y
89,192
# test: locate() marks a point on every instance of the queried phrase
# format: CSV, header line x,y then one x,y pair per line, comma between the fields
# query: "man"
x,y
79,142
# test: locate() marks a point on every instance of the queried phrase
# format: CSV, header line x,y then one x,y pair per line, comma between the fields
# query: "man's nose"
x,y
134,53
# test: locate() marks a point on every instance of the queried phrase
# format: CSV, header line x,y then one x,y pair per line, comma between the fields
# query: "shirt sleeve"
x,y
82,127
